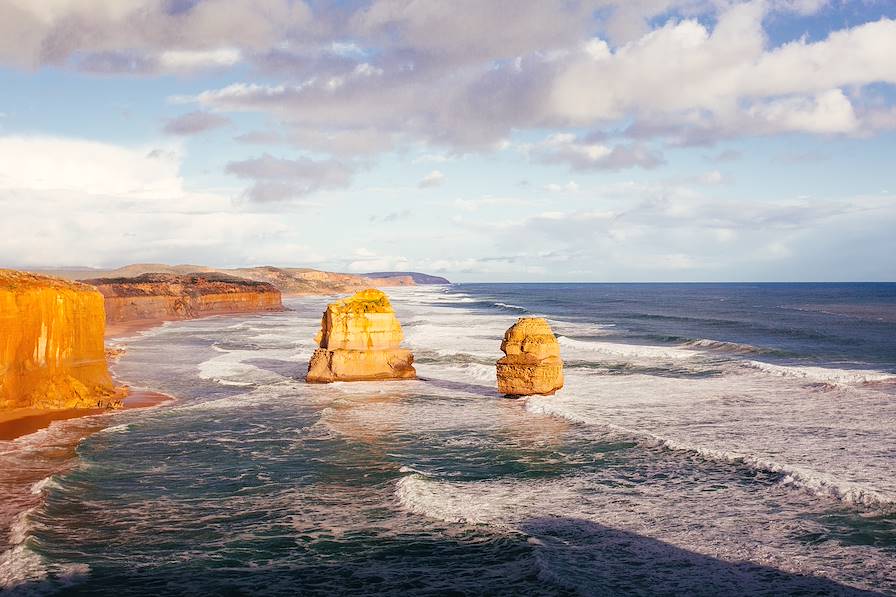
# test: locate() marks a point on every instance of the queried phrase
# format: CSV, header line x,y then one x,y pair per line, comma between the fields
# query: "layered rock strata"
x,y
51,345
532,363
169,296
360,339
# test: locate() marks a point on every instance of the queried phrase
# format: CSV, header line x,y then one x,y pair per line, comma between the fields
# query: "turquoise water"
x,y
717,439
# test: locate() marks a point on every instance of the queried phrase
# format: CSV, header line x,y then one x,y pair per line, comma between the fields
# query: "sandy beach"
x,y
123,329
20,422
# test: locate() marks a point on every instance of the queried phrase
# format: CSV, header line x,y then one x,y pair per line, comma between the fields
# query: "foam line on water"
x,y
723,346
814,482
823,374
628,351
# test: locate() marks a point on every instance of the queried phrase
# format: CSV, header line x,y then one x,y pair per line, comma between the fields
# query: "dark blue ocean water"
x,y
710,439
824,322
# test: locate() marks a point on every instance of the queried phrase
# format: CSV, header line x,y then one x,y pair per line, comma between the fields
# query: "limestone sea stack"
x,y
51,345
532,363
360,339
163,297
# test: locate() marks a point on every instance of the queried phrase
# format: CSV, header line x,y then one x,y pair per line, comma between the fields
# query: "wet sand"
x,y
129,328
25,421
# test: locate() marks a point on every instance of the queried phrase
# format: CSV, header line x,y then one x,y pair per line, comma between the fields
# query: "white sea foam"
x,y
823,374
122,428
580,328
842,457
509,306
732,347
579,522
25,572
628,351
45,483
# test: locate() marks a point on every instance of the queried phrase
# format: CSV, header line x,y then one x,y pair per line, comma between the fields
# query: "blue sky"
x,y
601,140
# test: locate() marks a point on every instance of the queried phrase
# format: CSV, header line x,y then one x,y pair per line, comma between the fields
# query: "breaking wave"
x,y
814,482
823,374
628,351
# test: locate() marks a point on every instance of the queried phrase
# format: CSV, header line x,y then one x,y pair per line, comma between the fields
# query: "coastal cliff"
x,y
303,281
532,363
51,347
169,297
360,339
288,280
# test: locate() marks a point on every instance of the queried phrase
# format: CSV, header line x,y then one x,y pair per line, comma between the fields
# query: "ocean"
x,y
711,439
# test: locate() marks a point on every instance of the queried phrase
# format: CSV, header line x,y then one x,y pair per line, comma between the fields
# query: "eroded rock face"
x,y
170,296
532,363
51,345
360,339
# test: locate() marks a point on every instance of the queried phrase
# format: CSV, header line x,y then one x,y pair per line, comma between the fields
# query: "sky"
x,y
481,140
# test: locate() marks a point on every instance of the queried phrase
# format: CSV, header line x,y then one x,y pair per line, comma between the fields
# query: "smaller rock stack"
x,y
532,364
360,339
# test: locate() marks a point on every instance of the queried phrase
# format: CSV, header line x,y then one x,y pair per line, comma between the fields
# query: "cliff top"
x,y
288,280
154,284
11,279
365,301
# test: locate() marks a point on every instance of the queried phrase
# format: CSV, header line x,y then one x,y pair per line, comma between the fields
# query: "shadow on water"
x,y
592,559
564,556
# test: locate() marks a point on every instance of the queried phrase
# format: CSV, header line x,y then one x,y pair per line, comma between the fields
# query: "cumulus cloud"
x,y
69,201
370,77
590,86
144,35
724,82
193,123
582,154
277,179
433,179
65,165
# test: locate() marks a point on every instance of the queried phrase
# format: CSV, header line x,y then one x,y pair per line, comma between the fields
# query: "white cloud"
x,y
144,35
569,187
41,163
726,78
828,112
76,202
583,155
198,59
433,179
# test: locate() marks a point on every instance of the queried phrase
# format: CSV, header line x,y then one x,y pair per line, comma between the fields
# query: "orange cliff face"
x,y
51,345
360,339
161,297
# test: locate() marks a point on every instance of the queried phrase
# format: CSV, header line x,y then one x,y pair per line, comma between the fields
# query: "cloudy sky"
x,y
493,140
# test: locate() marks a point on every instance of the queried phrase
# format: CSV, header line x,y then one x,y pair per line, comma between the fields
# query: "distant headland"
x,y
290,281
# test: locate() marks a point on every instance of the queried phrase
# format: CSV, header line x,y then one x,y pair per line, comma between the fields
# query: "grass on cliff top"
x,y
365,301
11,279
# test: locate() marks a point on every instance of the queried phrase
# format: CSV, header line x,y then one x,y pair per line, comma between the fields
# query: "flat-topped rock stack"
x,y
51,345
532,363
360,339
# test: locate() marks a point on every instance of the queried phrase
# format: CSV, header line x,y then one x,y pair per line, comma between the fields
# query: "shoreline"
x,y
122,329
25,421
22,422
